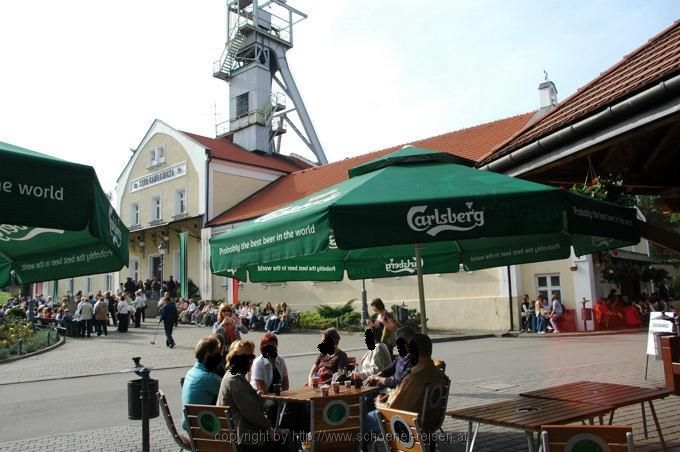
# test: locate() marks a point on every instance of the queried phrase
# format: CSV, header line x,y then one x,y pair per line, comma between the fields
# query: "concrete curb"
x,y
575,334
61,342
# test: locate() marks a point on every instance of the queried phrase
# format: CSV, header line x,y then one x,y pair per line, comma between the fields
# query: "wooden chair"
x,y
351,363
182,440
670,353
210,428
569,438
441,364
335,423
406,431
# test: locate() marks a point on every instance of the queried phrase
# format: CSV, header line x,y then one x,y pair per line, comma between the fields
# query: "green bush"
x,y
330,312
314,321
15,314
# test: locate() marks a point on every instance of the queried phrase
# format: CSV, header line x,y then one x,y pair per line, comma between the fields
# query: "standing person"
x,y
538,309
527,314
168,315
129,287
140,303
111,302
385,325
171,285
123,309
555,312
228,325
101,316
86,315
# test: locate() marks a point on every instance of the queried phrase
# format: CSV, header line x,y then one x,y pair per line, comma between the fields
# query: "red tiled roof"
x,y
223,149
656,60
471,143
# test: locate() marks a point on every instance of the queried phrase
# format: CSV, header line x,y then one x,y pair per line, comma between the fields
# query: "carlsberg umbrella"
x,y
454,214
56,220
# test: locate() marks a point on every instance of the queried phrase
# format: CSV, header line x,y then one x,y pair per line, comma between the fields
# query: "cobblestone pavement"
x,y
109,354
483,371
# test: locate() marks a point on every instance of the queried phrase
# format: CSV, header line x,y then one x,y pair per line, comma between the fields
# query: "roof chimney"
x,y
547,94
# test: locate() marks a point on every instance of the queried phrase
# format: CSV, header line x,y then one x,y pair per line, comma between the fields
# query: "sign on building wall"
x,y
164,175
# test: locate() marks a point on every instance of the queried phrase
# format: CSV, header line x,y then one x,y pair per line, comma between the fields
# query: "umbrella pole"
x,y
421,291
364,303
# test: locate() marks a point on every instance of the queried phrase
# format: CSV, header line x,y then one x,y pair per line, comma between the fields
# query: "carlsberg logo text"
x,y
434,221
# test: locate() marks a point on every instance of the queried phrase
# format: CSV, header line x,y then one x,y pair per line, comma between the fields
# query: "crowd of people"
x,y
616,311
227,372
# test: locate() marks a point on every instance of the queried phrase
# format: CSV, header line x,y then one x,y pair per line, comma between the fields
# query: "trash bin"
x,y
135,402
402,313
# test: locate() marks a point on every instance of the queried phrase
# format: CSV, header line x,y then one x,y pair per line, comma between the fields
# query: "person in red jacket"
x,y
631,316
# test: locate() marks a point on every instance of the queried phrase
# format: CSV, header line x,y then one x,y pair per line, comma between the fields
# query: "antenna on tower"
x,y
259,33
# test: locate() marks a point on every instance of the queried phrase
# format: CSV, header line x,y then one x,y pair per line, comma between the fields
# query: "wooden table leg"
x,y
644,420
658,427
611,417
601,420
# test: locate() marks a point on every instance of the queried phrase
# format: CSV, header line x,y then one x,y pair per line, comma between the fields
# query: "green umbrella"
x,y
454,214
57,220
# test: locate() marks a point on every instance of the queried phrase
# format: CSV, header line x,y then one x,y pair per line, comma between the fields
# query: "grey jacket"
x,y
246,407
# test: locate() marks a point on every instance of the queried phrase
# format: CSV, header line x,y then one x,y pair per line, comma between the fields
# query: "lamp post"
x,y
162,250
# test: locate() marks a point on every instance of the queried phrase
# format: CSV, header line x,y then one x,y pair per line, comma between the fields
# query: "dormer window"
x,y
157,155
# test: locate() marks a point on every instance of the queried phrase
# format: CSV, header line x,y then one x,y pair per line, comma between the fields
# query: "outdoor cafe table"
x,y
527,414
309,395
610,394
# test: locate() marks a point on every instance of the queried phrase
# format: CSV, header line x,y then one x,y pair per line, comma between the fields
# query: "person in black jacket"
x,y
168,315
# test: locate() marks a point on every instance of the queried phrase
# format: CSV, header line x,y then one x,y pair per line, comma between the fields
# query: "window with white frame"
x,y
176,264
133,269
157,155
549,284
71,286
156,208
134,214
88,284
109,281
180,201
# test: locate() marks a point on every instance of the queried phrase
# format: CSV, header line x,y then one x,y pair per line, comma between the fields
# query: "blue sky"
x,y
84,80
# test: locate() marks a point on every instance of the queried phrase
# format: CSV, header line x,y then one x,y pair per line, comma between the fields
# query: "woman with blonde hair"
x,y
253,429
228,325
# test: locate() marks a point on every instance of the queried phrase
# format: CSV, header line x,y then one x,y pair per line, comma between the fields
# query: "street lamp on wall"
x,y
162,250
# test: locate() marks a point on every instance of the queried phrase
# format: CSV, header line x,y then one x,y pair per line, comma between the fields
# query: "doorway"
x,y
157,268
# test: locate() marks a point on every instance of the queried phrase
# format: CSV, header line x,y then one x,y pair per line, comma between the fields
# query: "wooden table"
x,y
610,394
527,414
351,398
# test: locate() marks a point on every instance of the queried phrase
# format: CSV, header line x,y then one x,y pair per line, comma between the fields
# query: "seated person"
x,y
410,394
201,384
283,318
269,369
253,430
631,316
391,376
331,359
376,359
272,322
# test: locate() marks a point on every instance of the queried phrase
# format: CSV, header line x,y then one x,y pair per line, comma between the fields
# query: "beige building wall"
x,y
561,268
174,153
453,301
229,190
